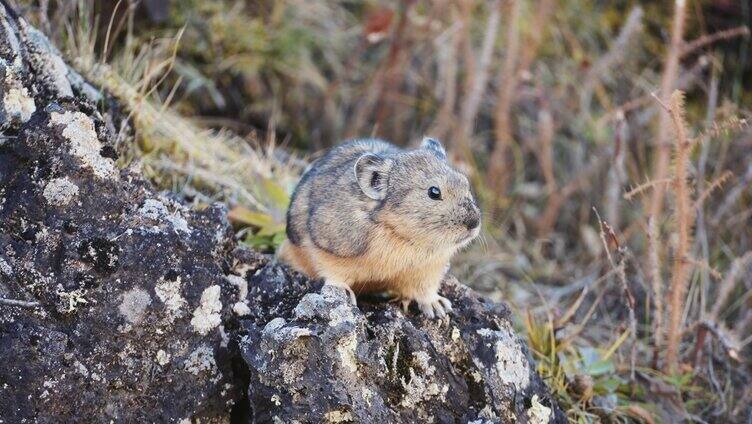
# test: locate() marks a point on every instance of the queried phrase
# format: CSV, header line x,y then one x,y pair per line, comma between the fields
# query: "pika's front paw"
x,y
438,307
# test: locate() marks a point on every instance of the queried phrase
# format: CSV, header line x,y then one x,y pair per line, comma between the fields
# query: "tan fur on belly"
x,y
390,263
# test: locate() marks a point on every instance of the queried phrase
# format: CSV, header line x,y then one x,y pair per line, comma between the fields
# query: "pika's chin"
x,y
470,236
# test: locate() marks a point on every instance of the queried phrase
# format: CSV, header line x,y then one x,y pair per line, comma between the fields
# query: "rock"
x,y
313,357
119,304
109,273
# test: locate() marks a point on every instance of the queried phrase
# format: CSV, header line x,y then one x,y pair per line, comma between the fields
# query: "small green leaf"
x,y
244,216
607,385
272,229
277,194
600,367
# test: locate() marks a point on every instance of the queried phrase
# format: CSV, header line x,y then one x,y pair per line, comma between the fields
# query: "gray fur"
x,y
350,190
434,146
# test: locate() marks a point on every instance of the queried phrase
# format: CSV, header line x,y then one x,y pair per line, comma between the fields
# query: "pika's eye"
x,y
434,193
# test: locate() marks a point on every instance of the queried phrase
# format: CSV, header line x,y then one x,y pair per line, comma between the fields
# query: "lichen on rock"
x,y
79,130
134,304
60,191
18,105
206,316
169,293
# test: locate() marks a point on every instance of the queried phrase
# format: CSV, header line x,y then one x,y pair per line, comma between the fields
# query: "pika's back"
x,y
328,193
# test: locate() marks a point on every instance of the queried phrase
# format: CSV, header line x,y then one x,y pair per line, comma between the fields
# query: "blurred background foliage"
x,y
558,111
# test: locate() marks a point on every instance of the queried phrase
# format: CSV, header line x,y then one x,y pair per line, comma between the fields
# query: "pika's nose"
x,y
472,222
472,217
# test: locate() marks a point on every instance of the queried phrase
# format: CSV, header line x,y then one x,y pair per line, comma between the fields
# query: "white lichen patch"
x,y
511,364
241,306
134,304
223,336
420,389
346,348
206,317
155,210
337,416
163,358
486,416
455,334
311,306
240,283
277,330
423,361
201,360
81,368
168,292
538,412
341,314
18,105
367,395
241,309
72,299
5,268
276,399
60,191
84,144
421,386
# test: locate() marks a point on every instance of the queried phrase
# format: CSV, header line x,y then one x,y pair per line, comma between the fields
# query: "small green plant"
x,y
267,228
585,379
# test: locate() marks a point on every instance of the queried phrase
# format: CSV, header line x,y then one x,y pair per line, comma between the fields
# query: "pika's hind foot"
x,y
403,302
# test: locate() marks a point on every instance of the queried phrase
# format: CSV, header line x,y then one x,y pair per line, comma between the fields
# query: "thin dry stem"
x,y
683,217
654,267
569,313
544,10
472,101
499,167
705,40
726,287
620,269
646,186
545,148
449,51
615,54
668,83
712,187
616,173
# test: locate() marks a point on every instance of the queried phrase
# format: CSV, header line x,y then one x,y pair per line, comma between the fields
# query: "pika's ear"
x,y
434,146
371,172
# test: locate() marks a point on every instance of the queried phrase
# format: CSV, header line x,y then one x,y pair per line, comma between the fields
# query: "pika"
x,y
371,217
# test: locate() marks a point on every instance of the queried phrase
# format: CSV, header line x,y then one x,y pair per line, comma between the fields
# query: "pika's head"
x,y
420,197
